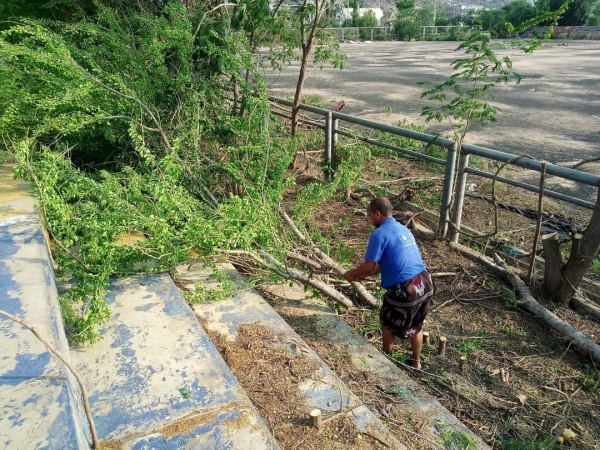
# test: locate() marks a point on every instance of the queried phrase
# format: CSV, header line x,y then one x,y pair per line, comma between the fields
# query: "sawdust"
x,y
111,445
190,423
381,393
271,373
186,425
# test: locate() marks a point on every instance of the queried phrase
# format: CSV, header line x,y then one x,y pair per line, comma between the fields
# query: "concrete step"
x,y
40,404
325,392
436,422
156,381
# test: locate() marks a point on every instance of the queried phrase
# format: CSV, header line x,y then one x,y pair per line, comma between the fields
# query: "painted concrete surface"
x,y
14,194
39,402
326,392
297,303
155,380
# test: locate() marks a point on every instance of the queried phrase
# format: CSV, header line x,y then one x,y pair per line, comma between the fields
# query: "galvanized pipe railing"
x,y
533,164
332,130
532,188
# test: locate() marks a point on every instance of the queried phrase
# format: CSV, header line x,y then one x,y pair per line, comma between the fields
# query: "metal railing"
x,y
446,219
345,34
388,33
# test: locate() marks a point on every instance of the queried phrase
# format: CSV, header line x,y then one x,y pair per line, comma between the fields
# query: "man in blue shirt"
x,y
393,252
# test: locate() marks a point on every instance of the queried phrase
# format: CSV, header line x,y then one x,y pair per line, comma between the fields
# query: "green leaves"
x,y
125,128
463,98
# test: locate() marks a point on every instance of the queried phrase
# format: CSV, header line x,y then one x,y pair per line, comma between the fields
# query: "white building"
x,y
456,9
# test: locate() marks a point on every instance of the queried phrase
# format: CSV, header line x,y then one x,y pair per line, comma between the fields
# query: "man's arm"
x,y
366,269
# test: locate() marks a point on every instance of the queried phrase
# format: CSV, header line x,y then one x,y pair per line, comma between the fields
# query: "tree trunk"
x,y
583,251
299,86
552,263
307,43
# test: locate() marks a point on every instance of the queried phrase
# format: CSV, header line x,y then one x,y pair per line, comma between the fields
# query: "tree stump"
x,y
426,337
442,346
316,419
462,364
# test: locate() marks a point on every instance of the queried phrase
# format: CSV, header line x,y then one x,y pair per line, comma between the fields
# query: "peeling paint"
x,y
38,403
153,349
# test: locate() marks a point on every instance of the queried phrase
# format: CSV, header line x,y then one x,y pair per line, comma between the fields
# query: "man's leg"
x,y
416,342
388,339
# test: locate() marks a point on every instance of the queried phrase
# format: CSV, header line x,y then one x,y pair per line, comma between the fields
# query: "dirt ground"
x,y
271,377
523,381
554,114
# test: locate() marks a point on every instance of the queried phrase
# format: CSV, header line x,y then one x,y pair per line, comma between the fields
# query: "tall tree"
x,y
310,22
576,14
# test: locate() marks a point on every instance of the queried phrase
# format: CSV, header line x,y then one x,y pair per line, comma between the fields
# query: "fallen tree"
x,y
267,261
530,304
361,291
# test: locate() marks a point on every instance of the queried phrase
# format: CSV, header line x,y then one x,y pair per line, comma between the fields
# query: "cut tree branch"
x,y
585,161
361,291
271,263
530,304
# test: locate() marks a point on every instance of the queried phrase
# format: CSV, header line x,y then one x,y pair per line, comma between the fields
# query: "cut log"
x,y
419,230
530,304
585,307
361,291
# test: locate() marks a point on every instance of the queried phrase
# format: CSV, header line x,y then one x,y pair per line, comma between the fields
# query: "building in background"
x,y
455,8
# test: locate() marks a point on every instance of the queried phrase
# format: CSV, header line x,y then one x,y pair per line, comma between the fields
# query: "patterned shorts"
x,y
405,305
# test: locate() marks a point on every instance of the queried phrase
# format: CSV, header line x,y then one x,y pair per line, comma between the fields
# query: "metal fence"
x,y
565,32
387,33
348,34
449,221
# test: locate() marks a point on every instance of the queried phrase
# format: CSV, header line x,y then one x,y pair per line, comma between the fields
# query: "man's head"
x,y
379,209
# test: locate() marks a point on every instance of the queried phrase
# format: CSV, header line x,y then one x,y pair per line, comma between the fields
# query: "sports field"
x,y
554,114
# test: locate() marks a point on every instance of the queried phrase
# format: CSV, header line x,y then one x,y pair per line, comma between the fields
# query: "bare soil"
x,y
553,115
512,358
270,375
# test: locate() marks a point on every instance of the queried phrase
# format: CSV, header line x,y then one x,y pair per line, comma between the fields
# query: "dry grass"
x,y
477,313
271,374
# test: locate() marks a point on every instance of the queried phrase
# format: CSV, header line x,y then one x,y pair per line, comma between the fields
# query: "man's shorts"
x,y
405,305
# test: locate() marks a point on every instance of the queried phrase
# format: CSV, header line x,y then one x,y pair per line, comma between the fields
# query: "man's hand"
x,y
350,277
361,272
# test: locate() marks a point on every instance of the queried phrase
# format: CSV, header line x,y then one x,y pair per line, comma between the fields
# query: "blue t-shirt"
x,y
393,246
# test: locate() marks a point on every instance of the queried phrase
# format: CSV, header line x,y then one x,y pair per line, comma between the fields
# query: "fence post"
x,y
343,35
371,34
459,196
448,189
334,141
328,145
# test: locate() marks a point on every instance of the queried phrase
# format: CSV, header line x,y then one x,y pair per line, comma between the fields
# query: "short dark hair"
x,y
381,204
